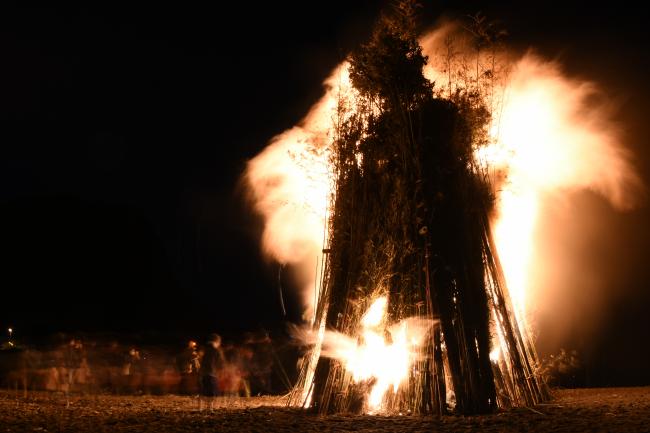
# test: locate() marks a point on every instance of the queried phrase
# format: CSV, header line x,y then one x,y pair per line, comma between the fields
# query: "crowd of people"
x,y
218,370
215,368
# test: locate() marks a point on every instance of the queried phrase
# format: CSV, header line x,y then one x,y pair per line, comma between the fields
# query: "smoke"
x,y
289,185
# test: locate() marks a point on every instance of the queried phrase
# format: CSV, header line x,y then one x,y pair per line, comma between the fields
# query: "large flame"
x,y
551,135
381,354
551,141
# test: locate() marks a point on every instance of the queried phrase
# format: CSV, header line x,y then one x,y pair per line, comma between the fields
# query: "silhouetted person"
x,y
72,361
188,366
244,363
211,365
133,371
260,366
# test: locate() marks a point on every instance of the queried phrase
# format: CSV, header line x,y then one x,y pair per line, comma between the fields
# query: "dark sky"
x,y
124,128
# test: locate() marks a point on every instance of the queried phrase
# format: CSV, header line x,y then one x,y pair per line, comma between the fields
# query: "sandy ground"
x,y
580,410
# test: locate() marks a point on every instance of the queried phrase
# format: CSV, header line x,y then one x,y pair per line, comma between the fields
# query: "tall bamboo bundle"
x,y
410,220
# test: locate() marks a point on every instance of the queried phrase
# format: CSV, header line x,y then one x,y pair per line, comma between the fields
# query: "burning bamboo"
x,y
428,196
409,227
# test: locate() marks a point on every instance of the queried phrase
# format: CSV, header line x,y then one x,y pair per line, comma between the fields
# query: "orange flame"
x,y
551,141
382,354
548,139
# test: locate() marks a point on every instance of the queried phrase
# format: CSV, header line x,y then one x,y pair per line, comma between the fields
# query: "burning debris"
x,y
416,180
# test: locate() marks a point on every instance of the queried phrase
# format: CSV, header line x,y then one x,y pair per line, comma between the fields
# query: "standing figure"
x,y
72,357
260,365
133,371
211,365
188,366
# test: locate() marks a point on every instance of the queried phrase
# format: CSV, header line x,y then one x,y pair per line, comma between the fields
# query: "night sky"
x,y
124,130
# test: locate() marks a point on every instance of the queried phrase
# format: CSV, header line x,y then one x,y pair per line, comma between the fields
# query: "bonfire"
x,y
408,198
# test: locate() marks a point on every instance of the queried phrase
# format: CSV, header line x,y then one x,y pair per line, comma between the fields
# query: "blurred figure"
x,y
117,364
261,362
189,364
211,366
563,369
72,361
132,371
233,381
244,364
76,365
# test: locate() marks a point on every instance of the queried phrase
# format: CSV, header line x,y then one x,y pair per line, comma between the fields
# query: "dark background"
x,y
124,128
